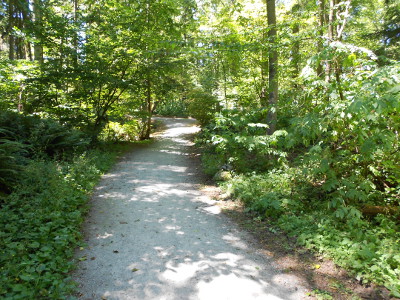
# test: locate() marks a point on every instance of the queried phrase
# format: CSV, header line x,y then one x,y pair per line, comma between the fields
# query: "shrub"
x,y
115,131
202,105
40,225
173,108
43,136
239,139
11,160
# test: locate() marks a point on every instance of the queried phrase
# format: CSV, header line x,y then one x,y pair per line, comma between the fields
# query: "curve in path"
x,y
152,234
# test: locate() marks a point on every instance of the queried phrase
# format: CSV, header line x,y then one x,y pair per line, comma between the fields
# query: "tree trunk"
x,y
272,67
264,68
11,39
339,34
147,129
26,19
38,48
76,38
295,51
371,210
321,18
18,16
330,37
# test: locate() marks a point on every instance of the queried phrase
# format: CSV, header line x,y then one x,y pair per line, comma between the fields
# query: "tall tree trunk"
x,y
331,37
18,16
76,38
147,121
339,34
149,110
321,23
26,20
38,47
272,67
224,71
264,68
295,51
11,38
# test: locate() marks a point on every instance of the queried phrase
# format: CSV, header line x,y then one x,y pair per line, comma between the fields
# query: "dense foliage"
x,y
47,172
299,101
40,223
329,170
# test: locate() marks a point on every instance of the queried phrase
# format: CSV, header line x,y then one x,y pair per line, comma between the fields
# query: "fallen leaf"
x,y
83,258
92,258
116,251
123,222
135,270
317,267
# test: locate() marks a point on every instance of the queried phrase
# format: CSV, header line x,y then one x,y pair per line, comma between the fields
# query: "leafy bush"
x,y
173,108
43,136
202,105
115,131
327,163
271,194
369,249
13,80
40,225
239,139
10,162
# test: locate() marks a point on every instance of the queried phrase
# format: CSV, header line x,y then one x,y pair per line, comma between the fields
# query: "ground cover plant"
x,y
47,175
328,175
333,182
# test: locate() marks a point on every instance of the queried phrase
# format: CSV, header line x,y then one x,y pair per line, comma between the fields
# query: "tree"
x,y
19,19
272,66
38,24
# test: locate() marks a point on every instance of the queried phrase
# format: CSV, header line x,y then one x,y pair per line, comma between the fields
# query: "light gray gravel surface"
x,y
152,234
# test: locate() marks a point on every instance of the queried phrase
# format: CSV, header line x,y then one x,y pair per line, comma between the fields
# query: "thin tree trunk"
x,y
76,38
330,37
149,111
296,46
338,64
296,51
321,18
11,38
272,67
224,71
147,121
264,68
26,19
38,48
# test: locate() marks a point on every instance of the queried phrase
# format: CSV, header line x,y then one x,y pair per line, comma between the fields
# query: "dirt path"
x,y
152,234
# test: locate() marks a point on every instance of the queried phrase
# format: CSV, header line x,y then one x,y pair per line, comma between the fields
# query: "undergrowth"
x,y
40,224
369,248
330,174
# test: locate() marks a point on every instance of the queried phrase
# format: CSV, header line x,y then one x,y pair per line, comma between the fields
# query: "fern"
x,y
10,162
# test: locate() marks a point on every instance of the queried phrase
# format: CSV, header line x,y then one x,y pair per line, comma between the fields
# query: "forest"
x,y
298,100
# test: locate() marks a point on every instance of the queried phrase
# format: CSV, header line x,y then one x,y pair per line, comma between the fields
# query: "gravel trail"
x,y
152,234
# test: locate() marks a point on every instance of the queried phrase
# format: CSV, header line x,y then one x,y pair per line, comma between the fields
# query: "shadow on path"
x,y
152,235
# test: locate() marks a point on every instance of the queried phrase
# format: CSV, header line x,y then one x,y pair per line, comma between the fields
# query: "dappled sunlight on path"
x,y
152,234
